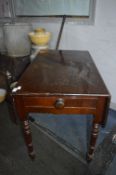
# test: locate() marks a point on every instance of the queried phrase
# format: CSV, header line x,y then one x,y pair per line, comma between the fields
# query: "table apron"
x,y
96,106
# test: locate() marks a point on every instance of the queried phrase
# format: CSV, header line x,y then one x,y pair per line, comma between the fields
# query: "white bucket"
x,y
16,39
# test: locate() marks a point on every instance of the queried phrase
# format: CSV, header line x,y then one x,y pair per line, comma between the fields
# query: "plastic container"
x,y
17,42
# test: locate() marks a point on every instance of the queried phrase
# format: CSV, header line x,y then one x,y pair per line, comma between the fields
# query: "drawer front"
x,y
60,102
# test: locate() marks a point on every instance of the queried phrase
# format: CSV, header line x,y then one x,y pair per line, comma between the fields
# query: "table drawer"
x,y
60,102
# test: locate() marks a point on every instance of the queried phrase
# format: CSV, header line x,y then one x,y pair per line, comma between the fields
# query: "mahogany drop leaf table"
x,y
62,82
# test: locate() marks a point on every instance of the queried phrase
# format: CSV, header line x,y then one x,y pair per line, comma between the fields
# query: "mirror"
x,y
52,7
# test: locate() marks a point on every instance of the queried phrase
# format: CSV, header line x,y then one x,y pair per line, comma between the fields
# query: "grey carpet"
x,y
51,157
54,155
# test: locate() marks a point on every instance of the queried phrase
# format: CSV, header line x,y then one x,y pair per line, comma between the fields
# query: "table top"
x,y
62,72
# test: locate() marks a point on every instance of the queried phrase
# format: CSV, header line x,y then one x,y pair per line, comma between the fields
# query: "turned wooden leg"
x,y
28,138
94,135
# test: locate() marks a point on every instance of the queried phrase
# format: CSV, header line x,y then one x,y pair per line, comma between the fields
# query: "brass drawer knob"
x,y
59,104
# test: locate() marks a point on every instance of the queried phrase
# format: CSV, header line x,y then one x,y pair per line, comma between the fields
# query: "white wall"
x,y
99,39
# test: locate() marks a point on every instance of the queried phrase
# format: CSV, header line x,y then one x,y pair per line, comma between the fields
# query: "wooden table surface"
x,y
65,72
